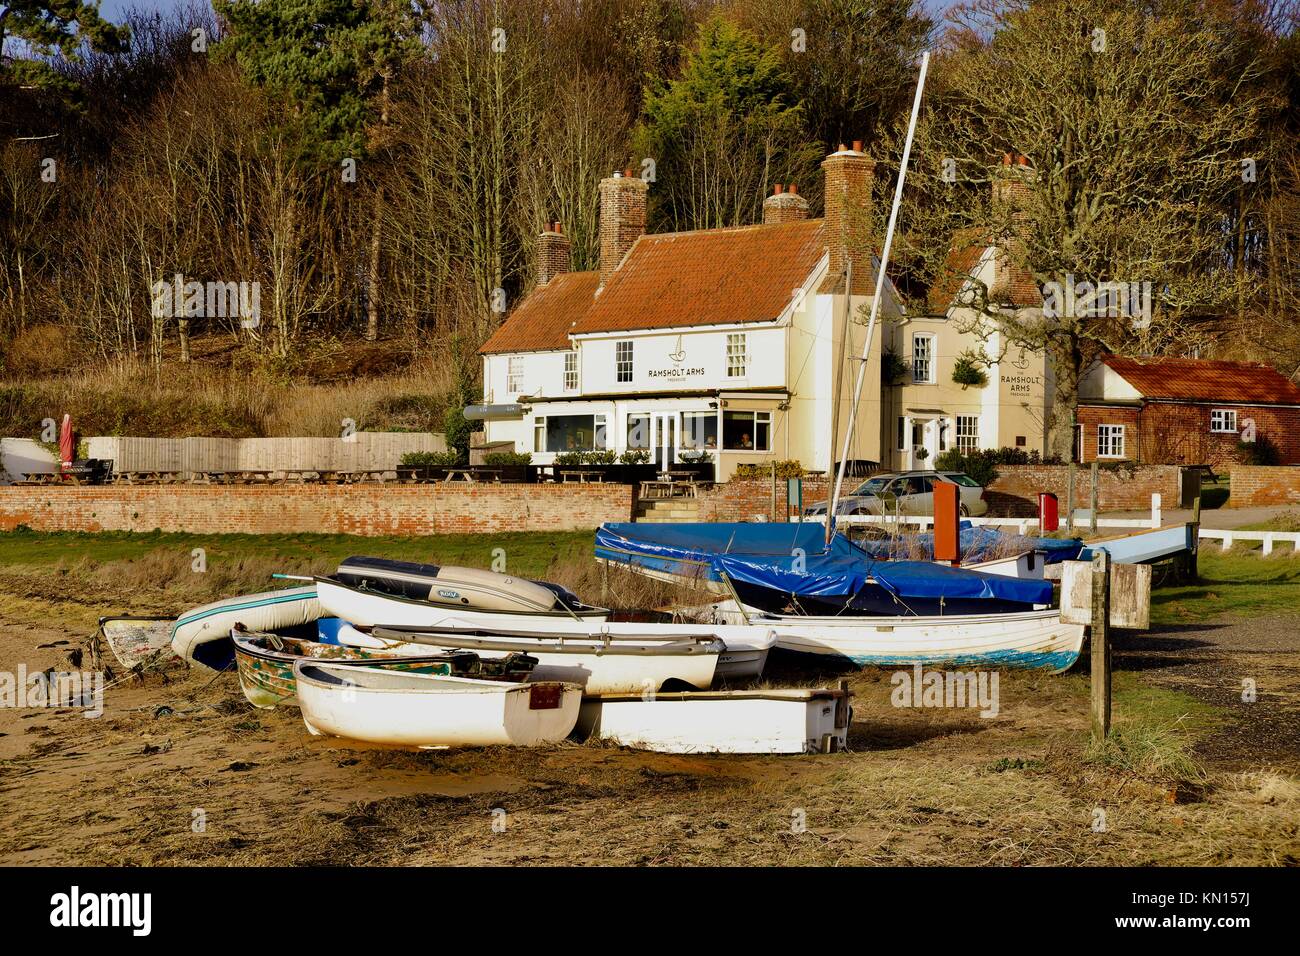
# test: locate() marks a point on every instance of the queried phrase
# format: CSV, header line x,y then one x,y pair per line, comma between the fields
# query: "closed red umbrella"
x,y
67,444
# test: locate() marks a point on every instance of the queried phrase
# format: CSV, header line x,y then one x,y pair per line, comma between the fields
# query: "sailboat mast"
x,y
875,300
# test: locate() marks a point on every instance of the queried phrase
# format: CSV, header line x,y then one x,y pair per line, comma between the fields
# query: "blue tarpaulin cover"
x,y
837,575
765,554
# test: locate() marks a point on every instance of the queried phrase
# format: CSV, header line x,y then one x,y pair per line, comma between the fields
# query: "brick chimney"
x,y
849,220
622,219
1012,187
552,253
783,206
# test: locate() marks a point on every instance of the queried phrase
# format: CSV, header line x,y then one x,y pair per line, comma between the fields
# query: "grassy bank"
x,y
1232,583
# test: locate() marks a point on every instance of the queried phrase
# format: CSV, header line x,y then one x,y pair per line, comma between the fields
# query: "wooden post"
x,y
1092,500
1100,645
1191,570
1069,498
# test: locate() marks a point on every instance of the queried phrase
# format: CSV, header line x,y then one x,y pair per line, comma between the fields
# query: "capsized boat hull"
x,y
134,640
615,667
430,711
744,722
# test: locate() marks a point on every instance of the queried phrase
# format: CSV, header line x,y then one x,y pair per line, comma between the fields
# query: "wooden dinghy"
x,y
791,721
202,634
133,640
266,662
431,711
598,666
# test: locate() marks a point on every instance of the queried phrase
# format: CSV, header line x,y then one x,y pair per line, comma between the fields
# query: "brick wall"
x,y
357,509
740,499
1120,488
1090,416
1258,485
1168,432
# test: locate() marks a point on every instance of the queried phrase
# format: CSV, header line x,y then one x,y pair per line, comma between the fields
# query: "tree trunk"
x,y
1067,367
183,327
372,279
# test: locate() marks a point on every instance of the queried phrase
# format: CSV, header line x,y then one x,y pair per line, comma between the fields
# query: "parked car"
x,y
906,492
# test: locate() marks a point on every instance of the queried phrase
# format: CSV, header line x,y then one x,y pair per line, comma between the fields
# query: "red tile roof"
x,y
543,320
707,277
1203,380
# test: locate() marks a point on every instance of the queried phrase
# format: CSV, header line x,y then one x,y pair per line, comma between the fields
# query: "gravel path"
x,y
1211,662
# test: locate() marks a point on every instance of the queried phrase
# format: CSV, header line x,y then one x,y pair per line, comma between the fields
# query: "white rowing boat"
x,y
791,721
598,666
432,711
743,656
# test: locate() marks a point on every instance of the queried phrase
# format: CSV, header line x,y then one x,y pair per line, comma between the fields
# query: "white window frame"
x,y
1223,415
930,359
1111,432
966,439
624,357
515,374
539,434
571,371
737,355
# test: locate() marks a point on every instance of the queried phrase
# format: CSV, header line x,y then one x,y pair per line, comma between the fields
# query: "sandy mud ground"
x,y
181,770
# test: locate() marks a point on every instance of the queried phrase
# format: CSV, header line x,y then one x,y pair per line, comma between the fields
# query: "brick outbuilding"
x,y
1185,411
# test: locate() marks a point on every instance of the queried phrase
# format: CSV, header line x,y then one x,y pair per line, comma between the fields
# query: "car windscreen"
x,y
872,486
964,480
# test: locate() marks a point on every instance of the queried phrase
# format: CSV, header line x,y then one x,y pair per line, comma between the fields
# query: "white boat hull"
x,y
370,609
587,663
424,710
1029,639
740,722
744,657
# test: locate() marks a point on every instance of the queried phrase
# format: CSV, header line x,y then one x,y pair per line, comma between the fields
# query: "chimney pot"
x,y
628,172
857,146
776,189
843,148
794,189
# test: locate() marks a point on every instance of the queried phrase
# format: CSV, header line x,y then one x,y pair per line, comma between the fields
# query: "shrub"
x,y
790,468
586,458
892,368
425,459
980,465
1261,451
968,370
502,459
458,430
634,456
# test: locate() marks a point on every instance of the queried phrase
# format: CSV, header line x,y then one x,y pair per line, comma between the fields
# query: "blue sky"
x,y
114,9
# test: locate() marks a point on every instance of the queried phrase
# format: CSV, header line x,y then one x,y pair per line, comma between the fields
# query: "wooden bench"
x,y
582,476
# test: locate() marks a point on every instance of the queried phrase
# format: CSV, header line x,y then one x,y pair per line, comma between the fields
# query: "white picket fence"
x,y
1022,525
1270,538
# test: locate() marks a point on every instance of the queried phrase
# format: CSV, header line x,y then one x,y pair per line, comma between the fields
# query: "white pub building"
x,y
734,342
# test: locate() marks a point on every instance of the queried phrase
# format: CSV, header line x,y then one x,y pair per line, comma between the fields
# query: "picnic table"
x,y
473,473
147,477
582,476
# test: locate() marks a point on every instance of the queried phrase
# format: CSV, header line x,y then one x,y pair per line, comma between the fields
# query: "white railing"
x,y
1270,538
1022,525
